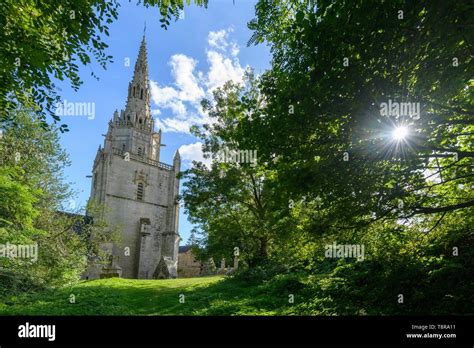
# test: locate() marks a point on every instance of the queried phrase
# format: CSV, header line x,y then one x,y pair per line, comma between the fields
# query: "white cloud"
x,y
218,39
167,97
183,72
162,96
235,49
186,87
180,124
182,98
193,152
222,69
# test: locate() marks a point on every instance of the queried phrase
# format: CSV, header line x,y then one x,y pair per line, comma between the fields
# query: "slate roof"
x,y
184,248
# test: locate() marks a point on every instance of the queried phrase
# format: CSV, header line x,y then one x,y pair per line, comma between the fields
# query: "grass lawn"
x,y
203,296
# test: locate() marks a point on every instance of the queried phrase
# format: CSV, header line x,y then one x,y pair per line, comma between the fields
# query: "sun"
x,y
400,133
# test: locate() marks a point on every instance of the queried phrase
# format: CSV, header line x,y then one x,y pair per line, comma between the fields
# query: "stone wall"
x,y
188,266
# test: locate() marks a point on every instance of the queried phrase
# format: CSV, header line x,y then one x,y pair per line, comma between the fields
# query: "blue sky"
x,y
186,62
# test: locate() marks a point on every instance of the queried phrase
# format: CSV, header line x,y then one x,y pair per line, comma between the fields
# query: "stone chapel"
x,y
139,193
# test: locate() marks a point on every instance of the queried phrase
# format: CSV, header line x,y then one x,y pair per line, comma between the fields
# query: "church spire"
x,y
137,111
142,57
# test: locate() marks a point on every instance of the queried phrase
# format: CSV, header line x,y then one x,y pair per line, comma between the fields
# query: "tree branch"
x,y
432,210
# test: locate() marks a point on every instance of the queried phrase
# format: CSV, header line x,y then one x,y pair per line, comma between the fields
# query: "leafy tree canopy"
x,y
44,41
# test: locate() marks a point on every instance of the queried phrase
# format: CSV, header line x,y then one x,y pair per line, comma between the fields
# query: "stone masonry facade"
x,y
139,193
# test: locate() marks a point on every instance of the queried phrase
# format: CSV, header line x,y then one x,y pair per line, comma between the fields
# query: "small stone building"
x,y
188,265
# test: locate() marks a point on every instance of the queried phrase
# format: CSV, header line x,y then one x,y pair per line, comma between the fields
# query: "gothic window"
x,y
140,120
140,191
140,151
133,91
141,94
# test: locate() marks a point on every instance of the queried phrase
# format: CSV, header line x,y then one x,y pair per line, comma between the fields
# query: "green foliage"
x,y
43,42
35,153
330,168
233,204
262,272
32,193
337,107
16,200
170,9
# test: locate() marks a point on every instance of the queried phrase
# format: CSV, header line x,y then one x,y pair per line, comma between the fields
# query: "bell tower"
x,y
138,191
